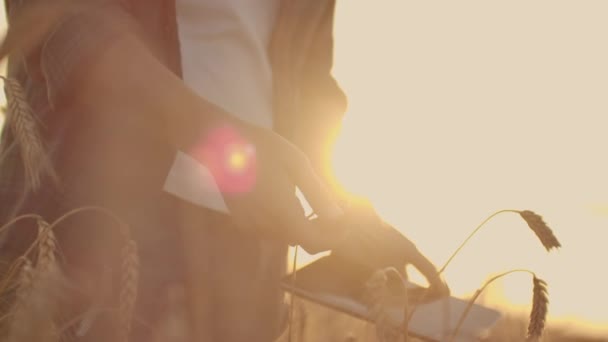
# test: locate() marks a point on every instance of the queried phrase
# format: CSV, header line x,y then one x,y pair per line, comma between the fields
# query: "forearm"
x,y
128,75
90,54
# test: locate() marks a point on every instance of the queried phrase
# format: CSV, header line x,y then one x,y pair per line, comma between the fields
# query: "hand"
x,y
371,242
438,288
256,171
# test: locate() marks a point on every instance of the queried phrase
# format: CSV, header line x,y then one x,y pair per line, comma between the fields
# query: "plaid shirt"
x,y
308,103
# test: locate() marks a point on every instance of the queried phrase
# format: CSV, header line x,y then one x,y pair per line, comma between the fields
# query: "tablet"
x,y
334,283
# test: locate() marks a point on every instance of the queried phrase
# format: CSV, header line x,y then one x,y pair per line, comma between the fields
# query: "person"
x,y
150,109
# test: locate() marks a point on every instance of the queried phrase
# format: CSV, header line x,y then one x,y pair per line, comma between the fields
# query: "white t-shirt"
x,y
224,49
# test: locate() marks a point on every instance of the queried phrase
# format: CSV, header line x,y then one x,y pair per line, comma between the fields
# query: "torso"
x,y
224,49
225,59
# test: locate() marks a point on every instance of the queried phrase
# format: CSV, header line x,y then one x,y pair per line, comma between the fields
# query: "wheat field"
x,y
33,291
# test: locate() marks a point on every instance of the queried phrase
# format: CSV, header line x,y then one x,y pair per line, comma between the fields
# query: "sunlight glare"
x,y
460,109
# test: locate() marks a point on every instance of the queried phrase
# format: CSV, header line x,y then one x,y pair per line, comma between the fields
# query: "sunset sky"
x,y
461,108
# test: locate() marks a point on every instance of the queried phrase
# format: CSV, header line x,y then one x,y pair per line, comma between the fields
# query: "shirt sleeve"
x,y
79,36
323,103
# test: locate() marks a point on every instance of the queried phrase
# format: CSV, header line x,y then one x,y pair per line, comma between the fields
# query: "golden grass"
x,y
549,241
36,295
35,302
540,303
534,221
38,291
538,315
24,127
47,247
540,299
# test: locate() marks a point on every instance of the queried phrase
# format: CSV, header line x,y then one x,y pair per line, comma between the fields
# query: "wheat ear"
x,y
37,292
534,221
26,281
47,273
540,301
15,268
541,229
47,248
23,124
129,267
128,282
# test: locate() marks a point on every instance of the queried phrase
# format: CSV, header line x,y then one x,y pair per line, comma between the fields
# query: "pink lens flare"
x,y
230,158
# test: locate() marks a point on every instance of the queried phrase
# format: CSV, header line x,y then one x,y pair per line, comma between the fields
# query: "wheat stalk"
x,y
17,219
23,123
534,221
540,303
538,315
48,272
7,283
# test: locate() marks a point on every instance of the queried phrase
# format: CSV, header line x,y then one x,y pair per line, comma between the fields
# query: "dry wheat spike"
x,y
538,315
541,229
129,267
47,247
47,271
540,303
37,292
21,119
128,282
26,280
17,329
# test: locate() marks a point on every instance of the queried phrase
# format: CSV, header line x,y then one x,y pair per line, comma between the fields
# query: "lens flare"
x,y
237,161
230,158
239,156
